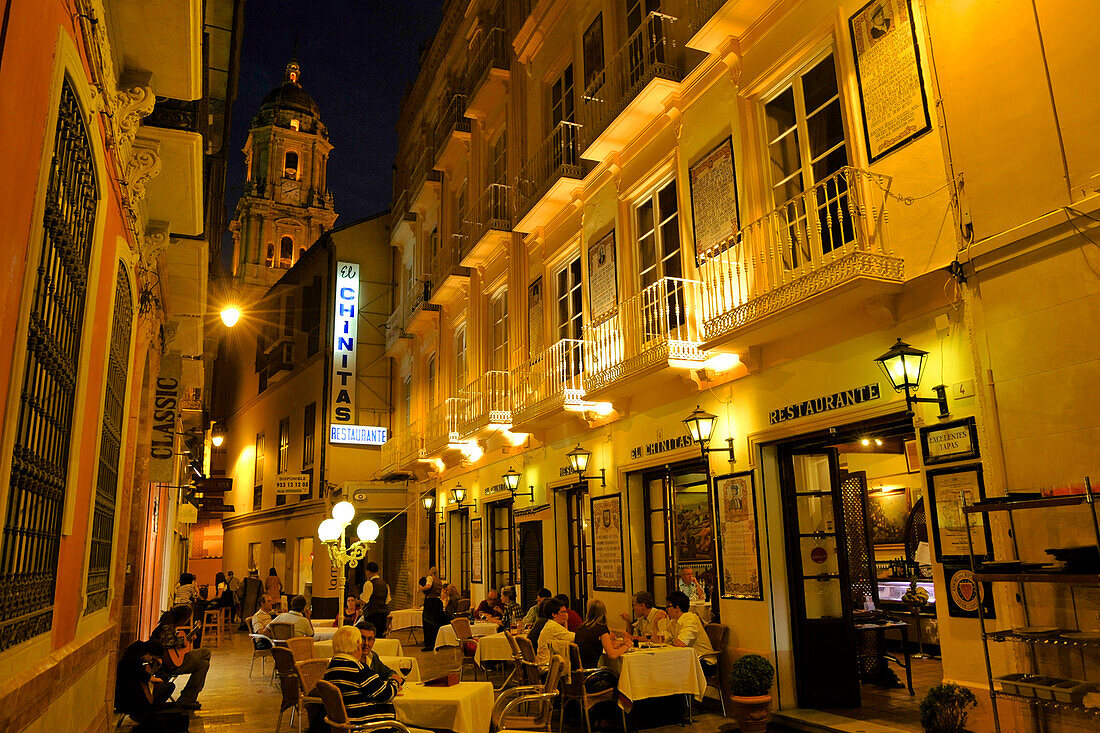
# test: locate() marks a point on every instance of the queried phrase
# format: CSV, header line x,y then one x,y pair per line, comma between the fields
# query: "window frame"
x,y
498,330
258,472
461,375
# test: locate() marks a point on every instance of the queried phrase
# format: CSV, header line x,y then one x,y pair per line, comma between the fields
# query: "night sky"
x,y
357,59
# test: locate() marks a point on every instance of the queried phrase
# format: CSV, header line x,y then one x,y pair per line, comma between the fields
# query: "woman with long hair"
x,y
273,586
594,638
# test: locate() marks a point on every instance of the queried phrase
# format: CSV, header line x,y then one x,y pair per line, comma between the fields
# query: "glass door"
x,y
825,653
578,571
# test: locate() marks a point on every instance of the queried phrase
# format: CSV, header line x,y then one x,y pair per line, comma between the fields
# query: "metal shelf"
x,y
1004,506
1050,704
1054,640
1071,578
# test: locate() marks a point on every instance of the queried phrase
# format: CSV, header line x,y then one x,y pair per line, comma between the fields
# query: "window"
x,y
40,462
110,446
658,227
501,544
570,316
309,433
290,165
460,207
407,398
286,252
646,39
311,315
283,459
498,163
806,147
562,101
269,258
460,358
593,55
431,382
258,474
498,331
295,125
460,528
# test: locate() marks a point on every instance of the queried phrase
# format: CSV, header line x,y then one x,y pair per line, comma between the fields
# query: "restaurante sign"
x,y
836,401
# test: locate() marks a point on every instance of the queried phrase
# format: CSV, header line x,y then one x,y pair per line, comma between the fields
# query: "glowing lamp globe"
x,y
230,316
700,424
343,512
329,530
903,365
367,530
578,460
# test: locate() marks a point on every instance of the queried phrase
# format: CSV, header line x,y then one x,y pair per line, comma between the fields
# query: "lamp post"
x,y
331,532
458,494
904,365
511,482
217,434
700,425
578,462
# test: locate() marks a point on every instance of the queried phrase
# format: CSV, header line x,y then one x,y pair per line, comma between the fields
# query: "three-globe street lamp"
x,y
331,532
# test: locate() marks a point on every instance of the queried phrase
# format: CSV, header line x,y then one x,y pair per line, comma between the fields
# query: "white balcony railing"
x,y
488,401
443,425
390,454
410,446
553,379
830,233
663,322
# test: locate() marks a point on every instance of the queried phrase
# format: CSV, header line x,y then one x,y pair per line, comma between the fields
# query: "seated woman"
x,y
367,695
594,639
351,611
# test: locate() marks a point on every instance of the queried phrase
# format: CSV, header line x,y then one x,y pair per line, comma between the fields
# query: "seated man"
x,y
142,694
491,607
261,622
533,612
685,628
646,618
174,633
369,659
512,611
296,616
690,586
367,696
554,637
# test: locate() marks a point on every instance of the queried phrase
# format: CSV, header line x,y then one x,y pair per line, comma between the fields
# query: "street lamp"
x,y
511,482
230,315
578,462
903,365
427,501
700,425
331,532
217,434
458,494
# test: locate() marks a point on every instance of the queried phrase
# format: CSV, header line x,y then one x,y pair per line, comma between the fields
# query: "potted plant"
x,y
750,692
945,707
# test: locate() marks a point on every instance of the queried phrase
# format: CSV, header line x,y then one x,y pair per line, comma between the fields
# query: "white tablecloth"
x,y
407,618
493,648
394,663
462,708
447,637
322,633
382,647
662,671
702,610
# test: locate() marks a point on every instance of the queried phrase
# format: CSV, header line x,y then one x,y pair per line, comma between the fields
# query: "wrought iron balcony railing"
x,y
661,323
647,54
558,156
410,445
492,212
551,380
492,54
447,261
701,11
824,236
488,401
453,119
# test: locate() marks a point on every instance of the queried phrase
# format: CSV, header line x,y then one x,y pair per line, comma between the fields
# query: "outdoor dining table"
x,y
661,671
322,633
382,647
394,663
493,648
462,708
447,636
406,618
702,610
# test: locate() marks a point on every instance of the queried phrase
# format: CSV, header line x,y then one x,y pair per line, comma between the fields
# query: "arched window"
x,y
290,165
269,260
286,252
301,252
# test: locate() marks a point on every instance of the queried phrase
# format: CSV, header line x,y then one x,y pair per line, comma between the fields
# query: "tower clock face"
x,y
290,191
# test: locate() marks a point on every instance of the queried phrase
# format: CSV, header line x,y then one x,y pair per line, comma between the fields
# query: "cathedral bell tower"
x,y
286,204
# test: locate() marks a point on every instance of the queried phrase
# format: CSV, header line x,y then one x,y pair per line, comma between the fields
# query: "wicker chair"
x,y
336,715
301,647
719,636
463,605
289,685
467,645
505,715
573,689
308,672
280,632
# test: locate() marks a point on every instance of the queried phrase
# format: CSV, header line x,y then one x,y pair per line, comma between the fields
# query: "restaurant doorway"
x,y
571,515
855,540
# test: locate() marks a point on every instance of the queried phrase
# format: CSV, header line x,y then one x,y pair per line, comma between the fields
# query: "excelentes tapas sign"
x,y
836,401
345,340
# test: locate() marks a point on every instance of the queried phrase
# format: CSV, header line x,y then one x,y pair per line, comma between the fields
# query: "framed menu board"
x,y
714,198
948,488
475,551
441,557
738,548
607,543
603,286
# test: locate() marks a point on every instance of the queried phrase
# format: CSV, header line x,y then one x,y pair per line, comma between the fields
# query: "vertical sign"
x,y
345,335
607,543
714,199
162,450
603,287
476,557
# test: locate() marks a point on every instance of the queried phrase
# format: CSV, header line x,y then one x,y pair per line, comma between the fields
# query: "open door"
x,y
826,672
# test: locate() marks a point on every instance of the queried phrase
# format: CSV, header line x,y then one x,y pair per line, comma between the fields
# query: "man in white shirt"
x,y
296,616
261,620
644,625
554,636
690,586
685,628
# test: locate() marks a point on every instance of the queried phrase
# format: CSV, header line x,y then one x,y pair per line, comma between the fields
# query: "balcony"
x,y
388,458
488,77
491,227
713,22
424,181
442,429
810,265
396,338
488,403
422,313
633,347
452,133
449,277
398,215
547,384
548,181
410,447
630,93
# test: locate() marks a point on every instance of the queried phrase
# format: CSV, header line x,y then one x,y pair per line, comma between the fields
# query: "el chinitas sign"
x,y
835,401
345,342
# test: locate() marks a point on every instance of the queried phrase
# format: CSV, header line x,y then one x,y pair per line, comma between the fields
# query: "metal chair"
x,y
532,671
257,653
573,688
505,716
719,639
467,645
289,685
336,715
301,647
517,661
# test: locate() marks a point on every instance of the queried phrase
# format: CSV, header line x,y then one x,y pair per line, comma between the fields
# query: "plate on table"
x,y
1036,631
1081,635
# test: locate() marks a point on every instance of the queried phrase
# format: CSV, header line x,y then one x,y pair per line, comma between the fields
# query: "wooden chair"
x,y
574,688
719,636
541,697
212,627
532,672
467,645
336,715
289,685
281,631
301,647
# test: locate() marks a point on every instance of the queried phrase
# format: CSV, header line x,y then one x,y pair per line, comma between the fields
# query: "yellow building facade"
x,y
609,213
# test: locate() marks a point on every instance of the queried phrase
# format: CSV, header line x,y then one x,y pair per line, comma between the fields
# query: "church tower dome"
x,y
286,204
